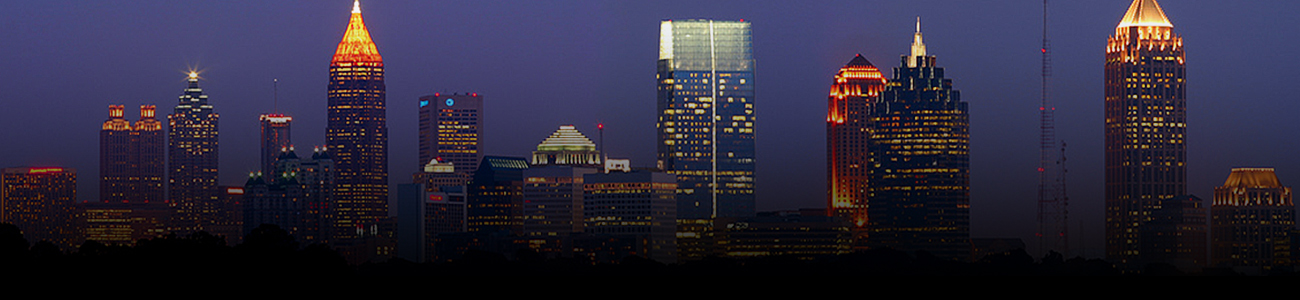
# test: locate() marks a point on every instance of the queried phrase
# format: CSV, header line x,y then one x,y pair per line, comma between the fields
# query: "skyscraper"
x,y
40,202
192,158
131,158
1251,216
451,131
856,86
356,133
275,140
706,116
920,148
1145,125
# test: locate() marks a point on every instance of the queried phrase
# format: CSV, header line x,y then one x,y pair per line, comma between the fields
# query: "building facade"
x,y
192,159
40,201
705,114
275,140
1251,220
132,159
553,200
1146,157
920,148
637,204
357,133
451,130
848,135
496,196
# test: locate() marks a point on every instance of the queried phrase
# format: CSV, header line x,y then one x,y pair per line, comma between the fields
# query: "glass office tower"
x,y
706,116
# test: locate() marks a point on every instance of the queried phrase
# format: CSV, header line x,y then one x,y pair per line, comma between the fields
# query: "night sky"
x,y
540,64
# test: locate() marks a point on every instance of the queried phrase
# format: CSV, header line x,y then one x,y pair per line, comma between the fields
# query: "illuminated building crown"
x,y
356,45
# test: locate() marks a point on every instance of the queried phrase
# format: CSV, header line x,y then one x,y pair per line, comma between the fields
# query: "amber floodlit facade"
x,y
451,131
132,163
1251,219
192,159
856,86
357,134
920,148
706,116
1145,126
40,202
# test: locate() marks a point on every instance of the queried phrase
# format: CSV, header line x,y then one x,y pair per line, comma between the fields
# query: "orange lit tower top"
x,y
357,134
1146,108
856,86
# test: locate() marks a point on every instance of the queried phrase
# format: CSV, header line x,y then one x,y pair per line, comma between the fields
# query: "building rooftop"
x,y
1144,13
566,138
1252,178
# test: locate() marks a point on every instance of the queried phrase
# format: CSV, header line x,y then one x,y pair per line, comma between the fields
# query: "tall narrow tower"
x,y
275,140
451,131
848,131
1145,125
706,116
356,132
192,159
920,147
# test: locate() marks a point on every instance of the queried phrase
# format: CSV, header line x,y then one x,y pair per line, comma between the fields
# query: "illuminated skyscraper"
x,y
356,132
275,140
40,202
192,159
1145,125
706,116
1251,217
131,158
848,134
920,147
451,131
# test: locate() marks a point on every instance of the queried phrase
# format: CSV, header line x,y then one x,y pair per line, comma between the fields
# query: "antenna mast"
x,y
1052,226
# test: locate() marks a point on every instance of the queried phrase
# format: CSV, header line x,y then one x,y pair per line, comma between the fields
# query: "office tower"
x,y
496,195
451,130
848,133
357,134
1251,217
192,159
40,202
227,217
1145,125
131,158
297,201
275,139
423,214
920,178
553,199
1176,232
638,204
706,116
567,147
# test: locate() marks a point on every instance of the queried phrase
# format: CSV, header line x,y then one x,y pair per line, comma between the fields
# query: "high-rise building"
x,y
637,204
1251,218
451,131
297,201
40,202
848,135
553,199
496,195
356,133
567,147
920,152
1146,159
706,116
131,158
275,140
192,159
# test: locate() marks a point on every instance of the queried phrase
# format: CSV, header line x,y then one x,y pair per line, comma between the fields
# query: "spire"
x,y
356,45
918,46
1144,13
859,61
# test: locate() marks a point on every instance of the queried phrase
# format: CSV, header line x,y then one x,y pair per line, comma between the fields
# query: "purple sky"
x,y
540,64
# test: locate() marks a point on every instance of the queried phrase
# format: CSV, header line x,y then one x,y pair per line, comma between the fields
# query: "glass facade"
x,y
706,116
920,148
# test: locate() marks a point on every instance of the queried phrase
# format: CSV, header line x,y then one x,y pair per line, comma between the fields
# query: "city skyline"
x,y
1005,129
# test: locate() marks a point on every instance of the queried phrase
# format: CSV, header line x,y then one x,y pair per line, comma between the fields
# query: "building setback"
x,y
132,160
705,115
192,159
920,148
1146,157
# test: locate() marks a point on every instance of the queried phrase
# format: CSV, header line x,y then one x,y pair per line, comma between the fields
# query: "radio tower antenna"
x,y
1052,207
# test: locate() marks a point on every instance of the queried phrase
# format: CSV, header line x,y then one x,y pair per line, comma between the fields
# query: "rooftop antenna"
x,y
275,98
1052,202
